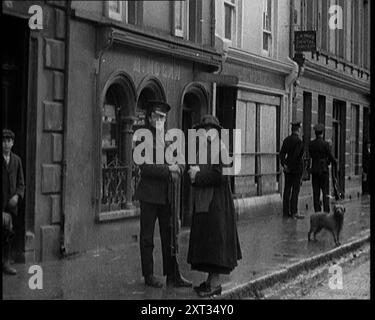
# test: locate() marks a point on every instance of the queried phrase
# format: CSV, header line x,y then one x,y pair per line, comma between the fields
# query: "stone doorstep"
x,y
255,287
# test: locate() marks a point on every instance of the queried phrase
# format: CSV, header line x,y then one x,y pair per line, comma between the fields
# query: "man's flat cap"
x,y
158,105
8,134
319,127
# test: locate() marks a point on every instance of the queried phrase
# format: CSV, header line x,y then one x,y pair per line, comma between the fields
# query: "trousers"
x,y
149,213
291,191
320,183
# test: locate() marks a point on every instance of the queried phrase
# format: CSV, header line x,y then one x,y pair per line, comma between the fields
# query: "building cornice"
x,y
178,50
322,73
139,37
250,60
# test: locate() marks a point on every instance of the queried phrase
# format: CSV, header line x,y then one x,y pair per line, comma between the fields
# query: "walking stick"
x,y
337,194
173,184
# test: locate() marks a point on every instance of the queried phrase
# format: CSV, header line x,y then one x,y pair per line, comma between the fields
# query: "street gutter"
x,y
254,288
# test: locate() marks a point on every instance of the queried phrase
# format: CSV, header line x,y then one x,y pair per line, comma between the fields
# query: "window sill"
x,y
118,215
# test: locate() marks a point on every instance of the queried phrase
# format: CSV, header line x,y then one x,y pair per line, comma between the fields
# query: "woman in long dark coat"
x,y
214,246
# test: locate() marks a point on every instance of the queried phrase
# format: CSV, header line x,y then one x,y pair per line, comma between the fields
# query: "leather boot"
x,y
152,281
7,269
177,280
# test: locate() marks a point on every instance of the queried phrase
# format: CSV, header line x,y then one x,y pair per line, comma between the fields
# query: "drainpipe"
x,y
213,23
68,15
97,99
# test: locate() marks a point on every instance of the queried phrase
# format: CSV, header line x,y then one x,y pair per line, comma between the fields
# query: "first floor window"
x,y
114,9
267,26
230,19
179,18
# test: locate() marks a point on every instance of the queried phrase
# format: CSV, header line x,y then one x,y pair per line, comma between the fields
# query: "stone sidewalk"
x,y
269,243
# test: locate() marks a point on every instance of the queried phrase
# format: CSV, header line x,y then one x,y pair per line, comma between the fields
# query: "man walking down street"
x,y
13,191
321,157
152,192
291,154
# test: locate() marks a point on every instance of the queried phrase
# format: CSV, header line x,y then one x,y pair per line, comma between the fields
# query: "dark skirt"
x,y
214,246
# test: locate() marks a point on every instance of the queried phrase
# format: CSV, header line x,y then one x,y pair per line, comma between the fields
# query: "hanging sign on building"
x,y
304,41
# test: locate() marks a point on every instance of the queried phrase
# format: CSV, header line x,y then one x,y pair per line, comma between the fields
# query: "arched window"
x,y
117,183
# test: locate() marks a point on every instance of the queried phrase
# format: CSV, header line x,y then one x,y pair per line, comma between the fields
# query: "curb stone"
x,y
254,287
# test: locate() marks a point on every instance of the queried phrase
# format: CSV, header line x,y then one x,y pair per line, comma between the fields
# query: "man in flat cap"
x,y
13,191
291,154
321,157
152,192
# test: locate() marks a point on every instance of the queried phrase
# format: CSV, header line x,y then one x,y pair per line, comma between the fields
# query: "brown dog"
x,y
333,222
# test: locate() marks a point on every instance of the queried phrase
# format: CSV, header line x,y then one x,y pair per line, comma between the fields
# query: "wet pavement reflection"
x,y
268,244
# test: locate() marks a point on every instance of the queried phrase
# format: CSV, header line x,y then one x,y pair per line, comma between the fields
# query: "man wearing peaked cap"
x,y
158,106
321,157
13,189
319,128
152,193
291,154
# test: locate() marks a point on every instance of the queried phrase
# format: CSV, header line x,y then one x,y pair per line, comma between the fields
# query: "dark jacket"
x,y
291,154
321,156
13,181
154,179
213,240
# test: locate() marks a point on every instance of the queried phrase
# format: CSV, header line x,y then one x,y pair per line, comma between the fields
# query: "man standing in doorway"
x,y
321,157
152,192
291,155
13,191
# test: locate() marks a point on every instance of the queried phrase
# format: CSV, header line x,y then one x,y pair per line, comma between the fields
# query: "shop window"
x,y
230,20
116,184
260,170
267,27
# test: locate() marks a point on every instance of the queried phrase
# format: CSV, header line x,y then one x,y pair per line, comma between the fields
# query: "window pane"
x,y
322,109
268,146
228,22
114,6
131,12
178,14
266,41
267,15
192,19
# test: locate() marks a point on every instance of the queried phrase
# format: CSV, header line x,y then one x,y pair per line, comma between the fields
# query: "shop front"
x,y
112,79
259,106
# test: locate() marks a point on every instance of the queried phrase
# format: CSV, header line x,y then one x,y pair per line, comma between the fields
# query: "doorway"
x,y
366,147
14,89
338,140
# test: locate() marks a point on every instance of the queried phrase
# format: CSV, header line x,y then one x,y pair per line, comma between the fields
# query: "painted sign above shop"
x,y
147,65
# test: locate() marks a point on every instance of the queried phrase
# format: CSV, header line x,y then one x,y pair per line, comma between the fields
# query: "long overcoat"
x,y
213,245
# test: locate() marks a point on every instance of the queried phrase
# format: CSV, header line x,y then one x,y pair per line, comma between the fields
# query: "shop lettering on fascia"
x,y
147,65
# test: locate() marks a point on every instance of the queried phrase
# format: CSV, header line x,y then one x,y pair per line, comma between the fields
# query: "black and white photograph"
x,y
185,155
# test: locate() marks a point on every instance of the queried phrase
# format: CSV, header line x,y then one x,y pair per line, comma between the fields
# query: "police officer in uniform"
x,y
152,192
13,186
291,154
321,157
